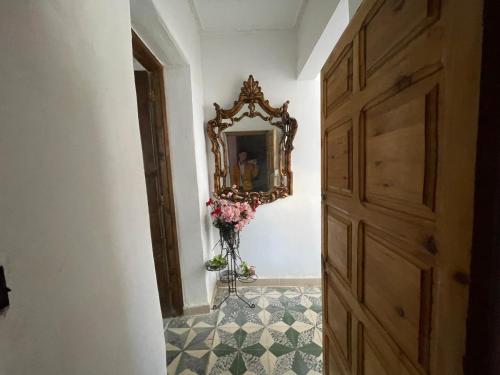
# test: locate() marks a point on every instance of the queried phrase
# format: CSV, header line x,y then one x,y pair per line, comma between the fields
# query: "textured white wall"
x,y
170,30
179,17
312,25
319,30
284,239
74,230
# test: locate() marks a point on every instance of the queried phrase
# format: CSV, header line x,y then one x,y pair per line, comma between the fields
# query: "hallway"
x,y
342,154
281,334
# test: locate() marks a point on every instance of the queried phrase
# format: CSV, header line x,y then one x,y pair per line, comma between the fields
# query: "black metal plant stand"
x,y
230,241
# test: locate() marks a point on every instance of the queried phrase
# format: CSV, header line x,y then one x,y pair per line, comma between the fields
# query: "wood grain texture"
x,y
412,115
339,153
338,247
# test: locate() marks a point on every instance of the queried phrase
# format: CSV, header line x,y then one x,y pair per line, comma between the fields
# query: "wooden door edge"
x,y
151,63
483,323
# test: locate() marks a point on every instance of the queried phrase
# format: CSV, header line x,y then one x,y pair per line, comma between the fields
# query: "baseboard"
x,y
197,310
301,282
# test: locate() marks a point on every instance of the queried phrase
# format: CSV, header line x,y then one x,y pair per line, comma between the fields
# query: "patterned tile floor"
x,y
281,335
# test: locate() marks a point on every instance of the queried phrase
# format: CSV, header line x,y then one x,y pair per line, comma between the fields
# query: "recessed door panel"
x,y
391,26
397,293
337,82
399,122
373,362
338,320
339,245
399,151
339,149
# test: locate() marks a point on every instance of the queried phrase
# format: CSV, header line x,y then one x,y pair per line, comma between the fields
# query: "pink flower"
x,y
236,214
227,213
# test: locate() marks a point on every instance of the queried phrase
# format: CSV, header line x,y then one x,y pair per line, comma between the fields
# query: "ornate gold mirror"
x,y
252,143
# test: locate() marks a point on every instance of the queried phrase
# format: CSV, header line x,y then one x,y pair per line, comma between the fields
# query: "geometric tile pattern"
x,y
281,335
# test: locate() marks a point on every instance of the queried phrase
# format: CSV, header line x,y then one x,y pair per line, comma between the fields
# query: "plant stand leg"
x,y
232,276
216,306
251,305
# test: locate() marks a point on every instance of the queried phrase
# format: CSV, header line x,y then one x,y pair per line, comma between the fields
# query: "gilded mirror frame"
x,y
251,95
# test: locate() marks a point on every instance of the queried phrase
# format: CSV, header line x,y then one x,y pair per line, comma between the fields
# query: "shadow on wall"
x,y
75,236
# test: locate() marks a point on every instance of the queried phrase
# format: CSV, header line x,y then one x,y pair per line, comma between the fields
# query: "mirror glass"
x,y
253,156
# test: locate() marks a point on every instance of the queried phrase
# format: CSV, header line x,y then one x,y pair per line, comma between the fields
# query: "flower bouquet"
x,y
231,217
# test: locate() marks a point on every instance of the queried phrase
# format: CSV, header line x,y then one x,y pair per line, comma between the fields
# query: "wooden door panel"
x,y
338,81
339,245
371,363
375,359
334,365
390,26
398,146
395,152
339,151
151,171
398,187
397,292
338,319
159,194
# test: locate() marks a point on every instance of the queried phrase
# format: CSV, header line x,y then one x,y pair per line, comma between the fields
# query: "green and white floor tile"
x,y
281,335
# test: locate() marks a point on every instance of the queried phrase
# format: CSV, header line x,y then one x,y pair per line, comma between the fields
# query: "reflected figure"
x,y
244,172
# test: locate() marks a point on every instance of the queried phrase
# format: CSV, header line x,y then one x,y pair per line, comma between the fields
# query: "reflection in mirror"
x,y
252,147
252,155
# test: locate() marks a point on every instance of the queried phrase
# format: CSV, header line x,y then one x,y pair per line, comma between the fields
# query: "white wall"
x,y
315,17
284,239
170,30
320,28
179,16
74,230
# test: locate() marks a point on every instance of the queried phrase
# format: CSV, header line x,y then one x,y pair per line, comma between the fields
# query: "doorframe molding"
x,y
144,55
150,62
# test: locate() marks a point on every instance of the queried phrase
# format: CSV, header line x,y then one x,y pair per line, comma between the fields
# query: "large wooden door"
x,y
159,192
399,118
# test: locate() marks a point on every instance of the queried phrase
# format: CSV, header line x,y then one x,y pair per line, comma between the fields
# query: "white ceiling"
x,y
247,15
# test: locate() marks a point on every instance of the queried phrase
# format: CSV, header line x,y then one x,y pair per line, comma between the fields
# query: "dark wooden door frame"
x,y
172,273
483,328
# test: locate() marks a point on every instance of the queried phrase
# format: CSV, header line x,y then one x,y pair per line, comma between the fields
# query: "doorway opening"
x,y
151,106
